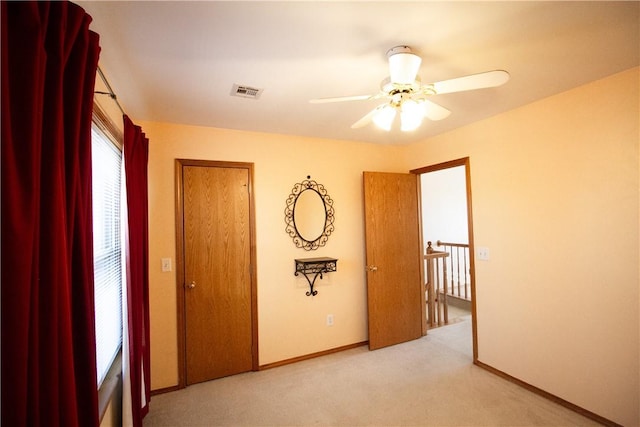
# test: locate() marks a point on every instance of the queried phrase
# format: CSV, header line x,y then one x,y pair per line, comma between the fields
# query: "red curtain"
x,y
49,61
136,154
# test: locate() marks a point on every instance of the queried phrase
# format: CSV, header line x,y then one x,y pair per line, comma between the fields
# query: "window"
x,y
107,164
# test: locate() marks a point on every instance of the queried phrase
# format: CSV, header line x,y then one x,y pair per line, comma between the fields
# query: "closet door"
x,y
218,333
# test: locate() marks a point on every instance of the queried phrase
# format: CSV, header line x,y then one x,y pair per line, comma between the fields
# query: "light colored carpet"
x,y
427,382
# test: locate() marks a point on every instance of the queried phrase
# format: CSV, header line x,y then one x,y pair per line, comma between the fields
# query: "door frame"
x,y
180,164
467,168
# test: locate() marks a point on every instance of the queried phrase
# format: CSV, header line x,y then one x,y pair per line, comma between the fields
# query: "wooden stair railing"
x,y
459,284
436,296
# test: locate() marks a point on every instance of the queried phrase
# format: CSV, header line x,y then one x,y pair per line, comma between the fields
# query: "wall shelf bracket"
x,y
311,268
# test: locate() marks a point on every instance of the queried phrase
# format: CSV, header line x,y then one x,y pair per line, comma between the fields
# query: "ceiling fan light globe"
x,y
411,115
383,118
403,68
408,125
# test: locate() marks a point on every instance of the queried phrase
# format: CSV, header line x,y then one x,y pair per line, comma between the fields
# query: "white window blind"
x,y
107,163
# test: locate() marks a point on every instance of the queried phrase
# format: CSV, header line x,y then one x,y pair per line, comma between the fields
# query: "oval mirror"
x,y
309,215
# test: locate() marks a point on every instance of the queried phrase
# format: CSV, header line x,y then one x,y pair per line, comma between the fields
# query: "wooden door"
x,y
217,272
395,294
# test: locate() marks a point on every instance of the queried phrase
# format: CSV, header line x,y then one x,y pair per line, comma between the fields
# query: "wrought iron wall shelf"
x,y
311,268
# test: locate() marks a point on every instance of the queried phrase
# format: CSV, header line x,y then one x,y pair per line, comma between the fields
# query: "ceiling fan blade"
x,y
342,99
366,119
472,82
434,112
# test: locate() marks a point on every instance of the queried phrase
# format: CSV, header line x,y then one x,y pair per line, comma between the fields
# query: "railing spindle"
x,y
459,273
436,291
453,276
458,265
444,281
465,269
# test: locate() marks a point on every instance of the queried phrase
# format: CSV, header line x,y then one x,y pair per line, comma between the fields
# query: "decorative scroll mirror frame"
x,y
289,215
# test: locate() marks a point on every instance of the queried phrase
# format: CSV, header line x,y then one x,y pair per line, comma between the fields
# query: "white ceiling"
x,y
177,61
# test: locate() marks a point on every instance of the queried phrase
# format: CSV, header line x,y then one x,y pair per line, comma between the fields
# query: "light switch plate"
x,y
483,253
166,264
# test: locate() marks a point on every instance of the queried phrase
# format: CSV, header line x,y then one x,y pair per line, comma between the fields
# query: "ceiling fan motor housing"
x,y
403,65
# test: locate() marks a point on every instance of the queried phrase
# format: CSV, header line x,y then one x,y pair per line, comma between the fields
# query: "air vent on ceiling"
x,y
246,91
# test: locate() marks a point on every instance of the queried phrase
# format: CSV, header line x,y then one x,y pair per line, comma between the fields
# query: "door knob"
x,y
191,285
372,268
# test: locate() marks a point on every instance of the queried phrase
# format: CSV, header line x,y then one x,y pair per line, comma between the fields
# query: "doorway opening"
x,y
447,235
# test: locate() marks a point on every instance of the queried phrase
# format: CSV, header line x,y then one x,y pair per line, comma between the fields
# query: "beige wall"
x,y
555,199
291,324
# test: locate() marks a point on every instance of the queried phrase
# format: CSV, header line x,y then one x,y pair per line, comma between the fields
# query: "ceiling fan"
x,y
403,92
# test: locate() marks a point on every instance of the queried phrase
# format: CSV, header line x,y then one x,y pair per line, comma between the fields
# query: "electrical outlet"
x,y
166,264
483,253
329,319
